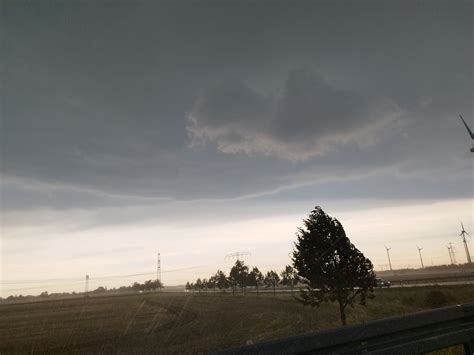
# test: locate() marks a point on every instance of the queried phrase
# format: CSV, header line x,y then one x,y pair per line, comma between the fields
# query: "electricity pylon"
x,y
158,270
237,255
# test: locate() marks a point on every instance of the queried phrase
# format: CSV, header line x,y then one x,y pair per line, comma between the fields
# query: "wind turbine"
x,y
421,259
469,131
450,256
388,254
463,236
451,253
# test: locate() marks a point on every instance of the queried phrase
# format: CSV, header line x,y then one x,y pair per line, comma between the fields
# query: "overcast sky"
x,y
200,128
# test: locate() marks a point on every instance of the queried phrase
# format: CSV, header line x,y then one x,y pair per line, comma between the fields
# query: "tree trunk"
x,y
342,309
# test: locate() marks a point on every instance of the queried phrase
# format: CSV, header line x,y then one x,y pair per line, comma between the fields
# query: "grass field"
x,y
185,323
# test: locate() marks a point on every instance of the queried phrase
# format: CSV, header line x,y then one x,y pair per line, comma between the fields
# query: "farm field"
x,y
190,323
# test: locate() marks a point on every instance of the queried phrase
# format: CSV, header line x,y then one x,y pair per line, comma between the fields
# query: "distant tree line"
x,y
149,285
241,277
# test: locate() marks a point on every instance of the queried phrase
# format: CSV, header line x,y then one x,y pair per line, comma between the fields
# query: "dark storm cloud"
x,y
116,99
309,118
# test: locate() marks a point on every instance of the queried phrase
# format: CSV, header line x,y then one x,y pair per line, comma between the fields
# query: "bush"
x,y
408,300
436,299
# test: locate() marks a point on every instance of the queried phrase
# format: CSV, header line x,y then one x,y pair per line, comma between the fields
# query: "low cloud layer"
x,y
309,118
149,101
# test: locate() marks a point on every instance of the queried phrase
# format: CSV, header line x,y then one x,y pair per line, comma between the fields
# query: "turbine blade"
x,y
467,127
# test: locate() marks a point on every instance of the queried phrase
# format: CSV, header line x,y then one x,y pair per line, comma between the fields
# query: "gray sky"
x,y
150,126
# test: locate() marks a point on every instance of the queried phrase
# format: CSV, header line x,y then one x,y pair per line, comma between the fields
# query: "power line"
x,y
19,281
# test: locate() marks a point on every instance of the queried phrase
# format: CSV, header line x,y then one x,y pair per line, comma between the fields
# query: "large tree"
x,y
221,280
272,280
255,278
332,268
205,285
289,277
212,283
239,274
198,285
156,285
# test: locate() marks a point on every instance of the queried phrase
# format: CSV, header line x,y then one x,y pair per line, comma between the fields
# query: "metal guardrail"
x,y
415,333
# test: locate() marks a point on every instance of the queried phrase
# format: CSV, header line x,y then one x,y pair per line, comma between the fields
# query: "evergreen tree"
x,y
221,280
239,274
198,285
332,268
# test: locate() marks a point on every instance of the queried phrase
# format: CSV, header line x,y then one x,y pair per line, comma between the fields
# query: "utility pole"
x,y
421,259
86,289
388,255
158,269
463,236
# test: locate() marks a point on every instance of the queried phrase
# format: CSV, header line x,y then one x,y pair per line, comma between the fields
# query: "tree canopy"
x,y
239,274
272,279
255,278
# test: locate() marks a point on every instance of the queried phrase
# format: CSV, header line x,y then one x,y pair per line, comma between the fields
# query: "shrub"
x,y
436,299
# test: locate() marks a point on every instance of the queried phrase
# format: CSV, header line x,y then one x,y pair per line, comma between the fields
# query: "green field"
x,y
186,323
